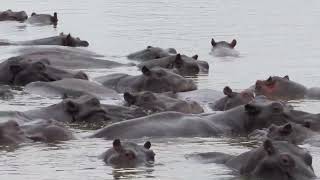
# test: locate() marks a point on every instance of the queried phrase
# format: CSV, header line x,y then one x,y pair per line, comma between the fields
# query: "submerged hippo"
x,y
128,154
237,121
181,64
232,99
10,15
276,87
223,48
160,102
155,80
19,71
43,19
151,53
276,160
11,134
61,40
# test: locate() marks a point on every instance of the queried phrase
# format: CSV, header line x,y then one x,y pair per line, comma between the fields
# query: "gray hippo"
x,y
151,53
232,99
43,19
61,40
5,92
128,154
276,87
11,134
71,88
19,71
155,80
68,58
237,121
223,48
276,160
181,64
161,102
10,15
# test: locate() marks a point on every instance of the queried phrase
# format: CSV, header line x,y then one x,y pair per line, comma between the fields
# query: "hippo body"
x,y
155,80
43,19
181,64
19,71
61,40
128,154
161,102
10,15
223,48
276,160
151,53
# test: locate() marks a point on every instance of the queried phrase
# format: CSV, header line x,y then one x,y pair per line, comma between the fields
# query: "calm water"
x,y
274,38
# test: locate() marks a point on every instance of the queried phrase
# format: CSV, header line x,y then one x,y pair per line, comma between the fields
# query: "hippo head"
x,y
223,44
129,154
9,15
280,160
86,108
276,87
233,99
163,80
68,40
11,133
147,100
151,53
185,65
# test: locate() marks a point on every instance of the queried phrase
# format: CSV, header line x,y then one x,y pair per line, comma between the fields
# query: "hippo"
x,y
276,160
160,102
232,99
276,87
128,154
241,120
11,134
43,19
70,58
151,53
61,40
71,87
10,15
181,64
154,79
19,71
6,92
223,48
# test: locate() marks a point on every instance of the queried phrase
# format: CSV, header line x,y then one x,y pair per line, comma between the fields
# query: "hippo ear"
x,y
55,15
213,43
15,68
286,129
178,61
129,98
195,57
268,147
117,145
147,145
146,71
286,77
251,109
227,91
233,43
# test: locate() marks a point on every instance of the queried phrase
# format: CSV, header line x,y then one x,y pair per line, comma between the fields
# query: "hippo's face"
x,y
162,80
286,163
186,65
9,15
11,134
223,44
233,99
129,154
147,100
152,53
280,88
86,108
68,40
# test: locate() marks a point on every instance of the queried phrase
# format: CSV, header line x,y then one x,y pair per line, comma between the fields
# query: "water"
x,y
274,38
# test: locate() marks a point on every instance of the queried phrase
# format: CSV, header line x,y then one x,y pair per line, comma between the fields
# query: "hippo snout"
x,y
258,85
84,43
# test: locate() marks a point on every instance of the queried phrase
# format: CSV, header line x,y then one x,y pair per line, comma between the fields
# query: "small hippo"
x,y
128,154
155,80
11,134
61,40
43,19
160,102
276,160
223,48
181,64
151,53
232,99
10,15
